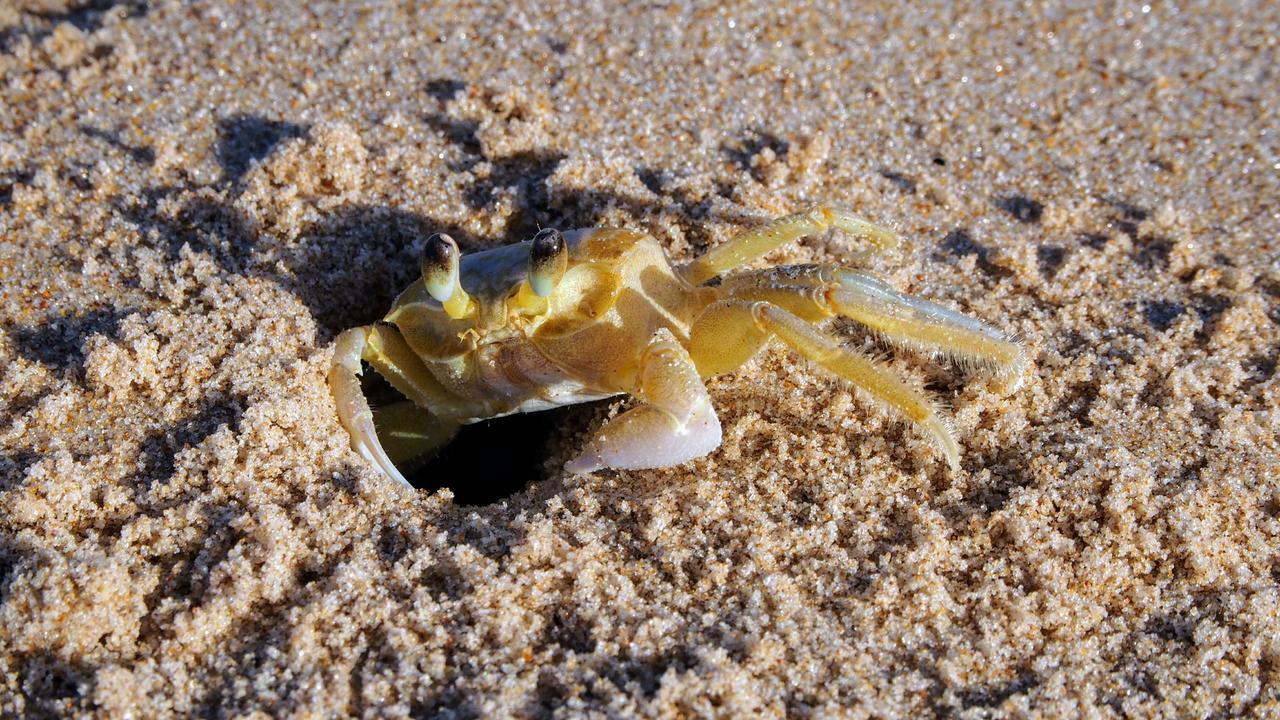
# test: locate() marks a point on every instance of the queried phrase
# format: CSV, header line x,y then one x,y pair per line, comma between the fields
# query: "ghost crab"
x,y
587,314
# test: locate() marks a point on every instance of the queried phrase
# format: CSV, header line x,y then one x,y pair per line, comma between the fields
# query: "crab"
x,y
587,314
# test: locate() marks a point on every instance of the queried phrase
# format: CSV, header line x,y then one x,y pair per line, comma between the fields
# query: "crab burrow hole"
x,y
492,460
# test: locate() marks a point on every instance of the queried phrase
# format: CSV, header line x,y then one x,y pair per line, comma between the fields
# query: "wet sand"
x,y
195,199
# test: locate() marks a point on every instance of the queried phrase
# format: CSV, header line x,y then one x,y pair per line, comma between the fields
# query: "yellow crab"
x,y
587,314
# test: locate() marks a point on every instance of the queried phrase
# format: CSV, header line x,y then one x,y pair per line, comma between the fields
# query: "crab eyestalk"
x,y
440,270
548,259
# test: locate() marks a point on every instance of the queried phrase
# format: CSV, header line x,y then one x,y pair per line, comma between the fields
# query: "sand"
x,y
195,198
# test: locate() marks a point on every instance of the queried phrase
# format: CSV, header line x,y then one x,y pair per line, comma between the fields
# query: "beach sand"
x,y
196,198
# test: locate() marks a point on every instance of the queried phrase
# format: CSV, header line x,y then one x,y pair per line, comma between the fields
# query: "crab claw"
x,y
353,409
675,423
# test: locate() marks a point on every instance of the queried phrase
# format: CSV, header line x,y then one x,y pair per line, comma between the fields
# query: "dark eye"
x,y
548,258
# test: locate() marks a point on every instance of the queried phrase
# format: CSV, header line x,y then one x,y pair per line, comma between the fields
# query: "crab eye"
x,y
440,266
441,260
548,258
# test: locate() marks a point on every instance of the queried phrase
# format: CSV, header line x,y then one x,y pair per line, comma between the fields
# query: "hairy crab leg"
x,y
675,423
752,244
744,326
815,292
922,325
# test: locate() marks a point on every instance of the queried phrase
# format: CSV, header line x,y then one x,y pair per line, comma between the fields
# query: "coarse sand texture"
x,y
197,197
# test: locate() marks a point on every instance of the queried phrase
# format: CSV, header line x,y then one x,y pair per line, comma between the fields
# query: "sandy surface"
x,y
194,199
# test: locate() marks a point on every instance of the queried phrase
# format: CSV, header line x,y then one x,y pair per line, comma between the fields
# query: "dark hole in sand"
x,y
484,462
491,460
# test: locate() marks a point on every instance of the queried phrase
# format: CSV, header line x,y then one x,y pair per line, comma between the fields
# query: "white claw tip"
x,y
583,464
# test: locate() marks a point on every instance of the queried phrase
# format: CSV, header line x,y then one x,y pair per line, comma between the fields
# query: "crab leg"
x,y
752,244
922,325
415,429
817,292
408,433
741,327
675,423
